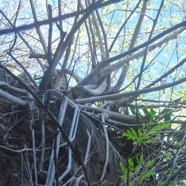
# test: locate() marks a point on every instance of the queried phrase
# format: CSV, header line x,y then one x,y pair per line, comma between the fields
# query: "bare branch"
x,y
91,8
49,52
37,28
26,43
12,98
167,73
13,89
112,59
99,72
132,44
98,90
116,37
107,149
98,32
25,71
74,75
112,115
132,93
145,56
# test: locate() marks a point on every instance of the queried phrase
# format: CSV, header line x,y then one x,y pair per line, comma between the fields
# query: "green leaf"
x,y
137,159
152,112
141,159
125,134
160,127
150,163
148,141
149,114
137,167
148,174
180,143
122,167
128,134
166,114
160,183
131,163
133,132
140,132
139,139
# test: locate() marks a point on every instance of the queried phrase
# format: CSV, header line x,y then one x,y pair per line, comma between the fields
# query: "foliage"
x,y
142,169
148,135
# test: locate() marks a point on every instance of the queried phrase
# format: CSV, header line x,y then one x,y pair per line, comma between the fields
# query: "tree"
x,y
93,92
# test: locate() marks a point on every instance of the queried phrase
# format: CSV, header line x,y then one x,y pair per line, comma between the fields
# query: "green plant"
x,y
141,167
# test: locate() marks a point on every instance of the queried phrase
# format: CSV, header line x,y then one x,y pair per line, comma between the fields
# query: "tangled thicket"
x,y
98,97
46,138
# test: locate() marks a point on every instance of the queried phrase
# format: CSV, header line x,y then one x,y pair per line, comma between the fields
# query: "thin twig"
x,y
38,28
20,35
107,154
125,54
91,8
146,50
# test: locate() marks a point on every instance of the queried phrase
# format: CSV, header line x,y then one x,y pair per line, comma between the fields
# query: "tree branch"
x,y
146,50
12,98
37,28
112,115
23,39
121,28
132,44
124,54
132,93
94,6
13,89
100,89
